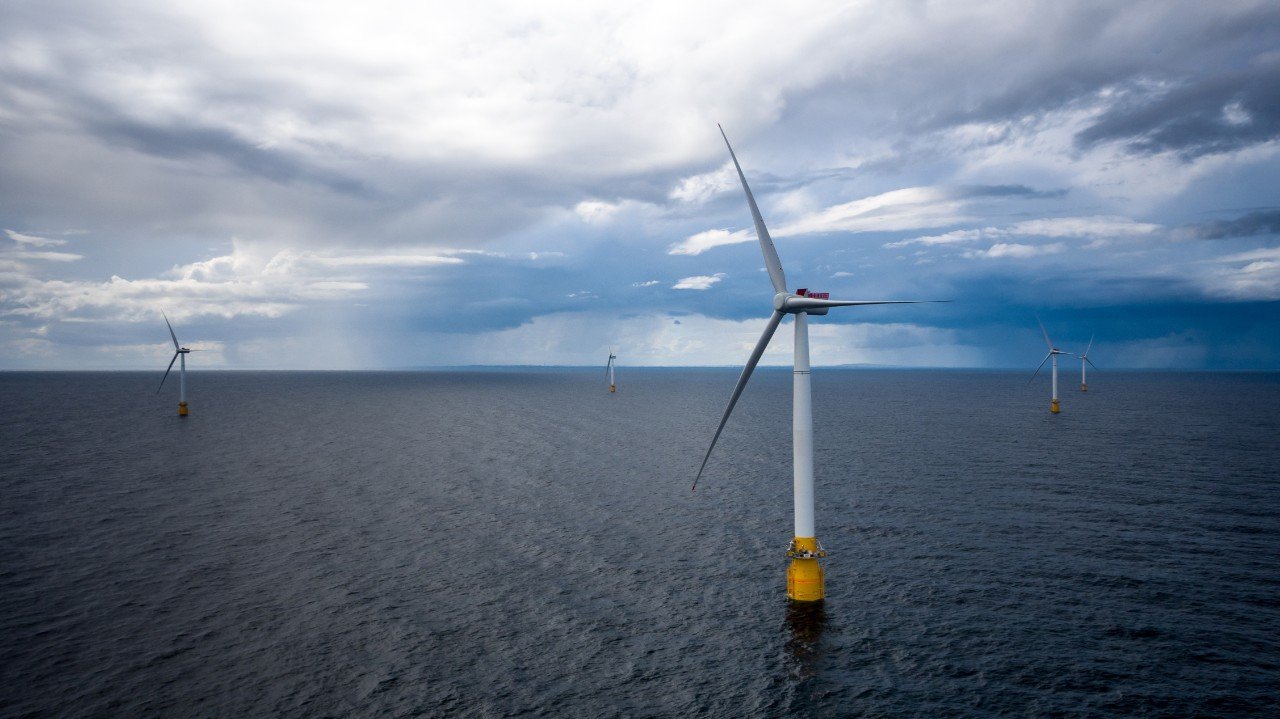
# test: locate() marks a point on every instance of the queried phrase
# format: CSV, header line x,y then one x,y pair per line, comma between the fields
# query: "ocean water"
x,y
523,543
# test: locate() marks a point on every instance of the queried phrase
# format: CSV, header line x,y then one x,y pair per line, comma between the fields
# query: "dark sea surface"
x,y
523,543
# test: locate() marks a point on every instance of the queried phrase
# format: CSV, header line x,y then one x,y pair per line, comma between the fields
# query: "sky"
x,y
381,185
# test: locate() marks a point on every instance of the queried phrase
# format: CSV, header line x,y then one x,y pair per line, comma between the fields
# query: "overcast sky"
x,y
382,185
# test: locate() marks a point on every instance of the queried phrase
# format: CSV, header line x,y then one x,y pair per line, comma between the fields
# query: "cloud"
x,y
44,256
949,238
14,255
708,239
698,282
1015,251
1253,275
33,239
698,189
379,159
1216,113
596,211
245,282
1095,227
646,283
905,209
1092,227
1259,222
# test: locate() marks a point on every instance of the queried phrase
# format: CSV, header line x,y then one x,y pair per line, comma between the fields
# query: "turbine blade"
x,y
166,372
804,302
171,334
1091,364
1086,349
1046,359
742,382
771,261
1045,332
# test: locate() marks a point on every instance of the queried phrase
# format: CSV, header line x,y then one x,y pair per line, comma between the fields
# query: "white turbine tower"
x,y
179,352
1053,354
613,386
1084,359
805,577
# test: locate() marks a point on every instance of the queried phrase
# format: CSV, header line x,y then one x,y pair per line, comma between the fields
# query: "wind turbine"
x,y
179,351
805,576
1084,359
1053,354
613,386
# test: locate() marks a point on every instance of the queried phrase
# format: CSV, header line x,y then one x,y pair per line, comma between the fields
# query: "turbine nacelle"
x,y
801,300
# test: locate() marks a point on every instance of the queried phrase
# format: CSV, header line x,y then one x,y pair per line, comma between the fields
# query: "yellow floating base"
x,y
806,580
182,409
613,388
1053,407
1084,388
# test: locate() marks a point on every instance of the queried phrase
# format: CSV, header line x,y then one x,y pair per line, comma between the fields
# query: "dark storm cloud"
x,y
1202,116
1261,222
187,143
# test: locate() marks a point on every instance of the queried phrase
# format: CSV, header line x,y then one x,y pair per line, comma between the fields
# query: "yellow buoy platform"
x,y
613,388
182,409
1053,407
1084,387
805,577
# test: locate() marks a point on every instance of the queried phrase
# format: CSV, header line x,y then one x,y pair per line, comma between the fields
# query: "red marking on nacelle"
x,y
815,295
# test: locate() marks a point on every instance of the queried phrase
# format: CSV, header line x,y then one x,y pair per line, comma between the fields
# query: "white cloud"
x,y
1015,250
1100,229
1096,226
698,282
1233,113
594,212
949,238
698,189
381,259
1250,276
904,209
45,256
646,283
703,241
246,281
33,239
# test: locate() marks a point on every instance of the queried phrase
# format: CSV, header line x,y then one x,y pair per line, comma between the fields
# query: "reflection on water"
x,y
805,621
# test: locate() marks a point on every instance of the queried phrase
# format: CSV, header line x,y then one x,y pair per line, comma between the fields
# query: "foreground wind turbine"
x,y
1084,359
805,576
179,352
613,386
1053,354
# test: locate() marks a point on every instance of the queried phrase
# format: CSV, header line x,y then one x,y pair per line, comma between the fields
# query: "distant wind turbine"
x,y
805,576
179,352
1084,359
1053,354
613,386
